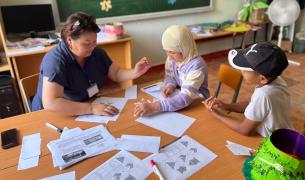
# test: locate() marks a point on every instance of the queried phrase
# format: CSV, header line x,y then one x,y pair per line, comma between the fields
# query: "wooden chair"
x,y
231,78
28,87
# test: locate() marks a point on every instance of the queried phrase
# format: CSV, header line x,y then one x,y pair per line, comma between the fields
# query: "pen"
x,y
54,127
171,142
156,170
153,85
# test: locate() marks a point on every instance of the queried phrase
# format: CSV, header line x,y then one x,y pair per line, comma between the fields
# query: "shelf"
x,y
4,66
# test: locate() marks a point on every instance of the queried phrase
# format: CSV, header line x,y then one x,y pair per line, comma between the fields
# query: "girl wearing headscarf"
x,y
184,68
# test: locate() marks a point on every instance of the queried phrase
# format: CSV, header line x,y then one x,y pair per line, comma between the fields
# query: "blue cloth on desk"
x,y
60,66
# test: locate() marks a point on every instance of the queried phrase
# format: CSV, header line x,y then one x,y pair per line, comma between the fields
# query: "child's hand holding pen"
x,y
146,108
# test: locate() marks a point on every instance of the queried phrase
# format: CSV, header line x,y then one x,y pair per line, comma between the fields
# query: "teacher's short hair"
x,y
78,23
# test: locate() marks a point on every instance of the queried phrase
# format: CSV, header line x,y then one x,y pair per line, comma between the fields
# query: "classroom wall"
x,y
147,33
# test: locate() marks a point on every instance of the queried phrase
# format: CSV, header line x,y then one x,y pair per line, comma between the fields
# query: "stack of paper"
x,y
123,165
238,149
148,144
30,151
81,145
182,158
119,103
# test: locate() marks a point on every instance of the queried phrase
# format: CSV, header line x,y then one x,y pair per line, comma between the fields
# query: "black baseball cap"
x,y
265,58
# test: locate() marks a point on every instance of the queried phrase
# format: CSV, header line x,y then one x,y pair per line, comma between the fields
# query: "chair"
x,y
28,87
231,78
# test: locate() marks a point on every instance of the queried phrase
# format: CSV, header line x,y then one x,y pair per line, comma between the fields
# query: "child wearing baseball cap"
x,y
269,107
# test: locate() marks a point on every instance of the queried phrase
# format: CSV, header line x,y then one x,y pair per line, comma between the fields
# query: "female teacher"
x,y
76,69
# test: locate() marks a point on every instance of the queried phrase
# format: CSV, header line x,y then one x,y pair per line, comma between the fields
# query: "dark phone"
x,y
9,138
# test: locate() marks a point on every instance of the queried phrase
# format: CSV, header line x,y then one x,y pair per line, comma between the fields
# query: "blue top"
x,y
60,66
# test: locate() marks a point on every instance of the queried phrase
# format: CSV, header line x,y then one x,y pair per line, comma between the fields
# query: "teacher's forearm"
x,y
125,75
68,107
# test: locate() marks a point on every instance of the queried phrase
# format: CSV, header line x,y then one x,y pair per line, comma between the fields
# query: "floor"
x,y
294,75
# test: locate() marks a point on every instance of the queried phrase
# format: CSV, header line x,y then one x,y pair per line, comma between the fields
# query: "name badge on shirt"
x,y
92,90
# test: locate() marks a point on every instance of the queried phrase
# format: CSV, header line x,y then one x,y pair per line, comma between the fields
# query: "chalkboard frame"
x,y
151,15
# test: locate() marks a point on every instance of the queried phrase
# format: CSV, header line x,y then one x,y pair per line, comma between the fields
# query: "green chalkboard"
x,y
124,7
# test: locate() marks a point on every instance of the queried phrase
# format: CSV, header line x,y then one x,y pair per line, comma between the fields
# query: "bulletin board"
x,y
119,8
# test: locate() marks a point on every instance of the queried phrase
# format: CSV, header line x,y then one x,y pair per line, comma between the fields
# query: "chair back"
x,y
231,77
28,88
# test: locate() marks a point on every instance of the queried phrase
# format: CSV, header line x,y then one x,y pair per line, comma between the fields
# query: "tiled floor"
x,y
294,75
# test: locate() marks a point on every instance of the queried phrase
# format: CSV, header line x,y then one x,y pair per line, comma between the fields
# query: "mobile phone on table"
x,y
9,138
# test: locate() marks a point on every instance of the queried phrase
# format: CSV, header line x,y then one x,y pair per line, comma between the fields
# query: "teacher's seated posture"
x,y
76,69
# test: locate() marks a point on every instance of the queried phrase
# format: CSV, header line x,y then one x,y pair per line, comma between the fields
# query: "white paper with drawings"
x,y
137,143
238,149
117,102
131,92
155,90
64,176
182,158
171,123
123,165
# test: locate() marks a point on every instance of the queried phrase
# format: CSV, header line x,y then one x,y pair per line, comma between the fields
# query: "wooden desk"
x,y
206,130
27,64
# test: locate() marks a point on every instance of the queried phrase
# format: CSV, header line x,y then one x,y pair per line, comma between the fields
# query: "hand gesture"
x,y
167,91
213,103
104,109
141,67
146,108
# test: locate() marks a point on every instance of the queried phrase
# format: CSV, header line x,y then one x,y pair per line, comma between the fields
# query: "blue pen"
x,y
54,127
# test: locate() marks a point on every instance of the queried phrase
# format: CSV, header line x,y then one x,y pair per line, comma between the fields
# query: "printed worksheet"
x,y
182,158
122,166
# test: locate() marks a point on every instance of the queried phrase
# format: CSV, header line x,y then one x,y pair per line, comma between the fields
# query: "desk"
x,y
25,64
215,35
206,130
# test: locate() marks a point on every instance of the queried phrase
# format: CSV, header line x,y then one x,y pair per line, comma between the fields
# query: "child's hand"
x,y
146,108
141,67
212,103
167,91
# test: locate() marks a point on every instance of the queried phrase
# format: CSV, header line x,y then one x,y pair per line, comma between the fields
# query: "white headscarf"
x,y
179,39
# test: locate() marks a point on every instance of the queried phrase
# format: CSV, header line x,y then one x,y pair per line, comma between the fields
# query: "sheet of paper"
x,y
164,122
70,132
238,149
30,146
28,163
123,165
182,158
30,151
64,176
155,90
117,102
148,144
131,92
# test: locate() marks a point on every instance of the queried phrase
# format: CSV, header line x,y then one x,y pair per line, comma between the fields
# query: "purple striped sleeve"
x,y
175,103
